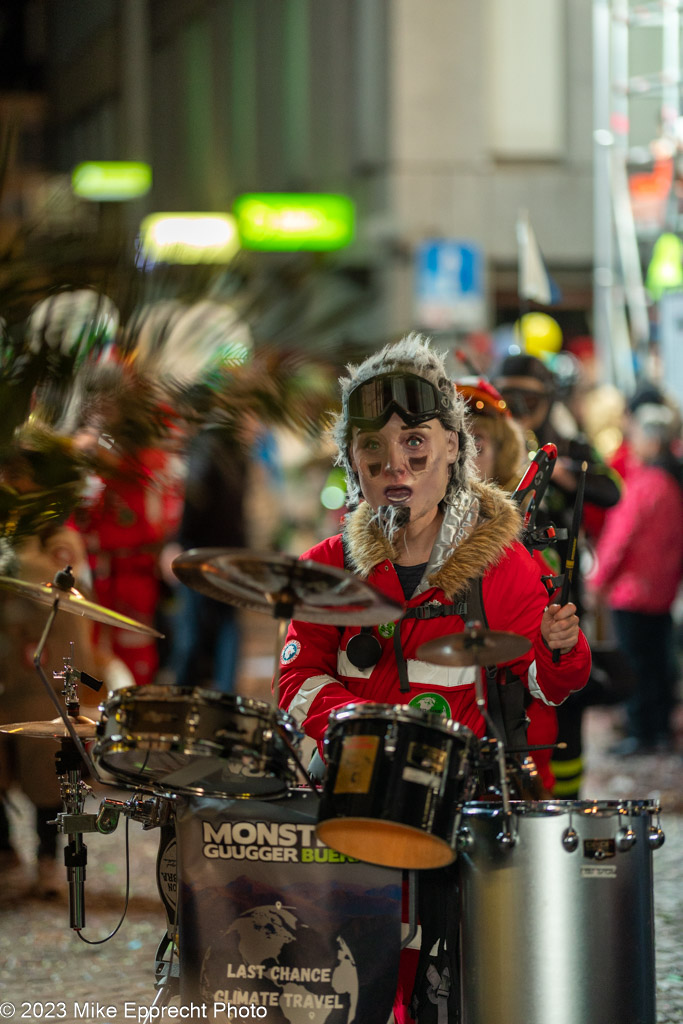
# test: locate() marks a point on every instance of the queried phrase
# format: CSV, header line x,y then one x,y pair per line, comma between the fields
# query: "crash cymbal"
x,y
71,600
285,587
474,647
54,729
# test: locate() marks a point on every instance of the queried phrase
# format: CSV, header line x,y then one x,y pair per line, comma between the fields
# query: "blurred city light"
x,y
189,238
111,180
333,494
665,270
290,221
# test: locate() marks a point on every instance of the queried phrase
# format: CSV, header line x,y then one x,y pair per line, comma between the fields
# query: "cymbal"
x,y
72,600
54,729
474,647
284,586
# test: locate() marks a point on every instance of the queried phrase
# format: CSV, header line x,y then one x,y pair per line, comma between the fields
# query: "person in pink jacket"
x,y
638,571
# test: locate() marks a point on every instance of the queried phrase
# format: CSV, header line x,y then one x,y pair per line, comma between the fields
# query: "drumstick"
x,y
537,746
570,560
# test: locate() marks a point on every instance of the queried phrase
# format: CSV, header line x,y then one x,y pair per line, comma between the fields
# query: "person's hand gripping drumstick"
x,y
560,627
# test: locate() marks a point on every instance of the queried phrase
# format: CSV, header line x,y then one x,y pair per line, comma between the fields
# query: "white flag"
x,y
535,282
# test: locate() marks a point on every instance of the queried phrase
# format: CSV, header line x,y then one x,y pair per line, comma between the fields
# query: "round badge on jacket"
x,y
289,652
432,702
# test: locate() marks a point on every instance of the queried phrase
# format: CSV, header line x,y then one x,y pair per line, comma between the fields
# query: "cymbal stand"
x,y
506,837
69,677
283,602
282,733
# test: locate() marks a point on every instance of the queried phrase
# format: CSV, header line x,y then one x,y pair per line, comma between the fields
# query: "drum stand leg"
x,y
166,973
412,909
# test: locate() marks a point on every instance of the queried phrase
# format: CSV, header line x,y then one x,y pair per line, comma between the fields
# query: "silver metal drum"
x,y
558,928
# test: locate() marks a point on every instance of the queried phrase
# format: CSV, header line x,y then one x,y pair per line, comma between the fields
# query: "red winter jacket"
x,y
317,676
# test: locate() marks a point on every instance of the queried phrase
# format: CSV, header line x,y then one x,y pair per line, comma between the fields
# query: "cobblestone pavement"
x,y
42,960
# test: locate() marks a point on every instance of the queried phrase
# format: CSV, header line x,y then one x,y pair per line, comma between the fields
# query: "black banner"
x,y
276,926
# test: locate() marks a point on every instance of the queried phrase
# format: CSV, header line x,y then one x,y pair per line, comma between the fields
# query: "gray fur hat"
x,y
412,354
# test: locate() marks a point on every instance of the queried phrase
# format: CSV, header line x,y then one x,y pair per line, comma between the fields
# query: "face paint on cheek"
x,y
418,463
374,468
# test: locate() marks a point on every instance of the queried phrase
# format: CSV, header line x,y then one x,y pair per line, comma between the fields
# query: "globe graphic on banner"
x,y
268,957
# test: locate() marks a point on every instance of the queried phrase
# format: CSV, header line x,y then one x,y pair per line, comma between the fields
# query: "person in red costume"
x,y
422,528
502,458
132,507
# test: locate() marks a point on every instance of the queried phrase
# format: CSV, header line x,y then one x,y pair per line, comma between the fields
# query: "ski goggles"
x,y
369,405
523,401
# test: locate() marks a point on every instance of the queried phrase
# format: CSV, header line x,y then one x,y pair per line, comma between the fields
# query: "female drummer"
x,y
423,530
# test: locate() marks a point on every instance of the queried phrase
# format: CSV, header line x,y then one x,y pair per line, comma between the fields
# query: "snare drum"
x,y
559,925
396,780
187,740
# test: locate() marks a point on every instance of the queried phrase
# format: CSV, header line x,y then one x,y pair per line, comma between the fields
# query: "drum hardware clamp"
x,y
151,811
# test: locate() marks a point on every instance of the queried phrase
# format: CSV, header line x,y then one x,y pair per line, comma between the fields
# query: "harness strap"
x,y
440,986
435,611
423,611
401,661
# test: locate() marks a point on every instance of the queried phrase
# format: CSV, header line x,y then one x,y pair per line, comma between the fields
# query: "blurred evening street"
x,y
41,959
208,210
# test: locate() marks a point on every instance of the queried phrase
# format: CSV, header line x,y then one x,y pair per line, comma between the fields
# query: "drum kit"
x,y
402,789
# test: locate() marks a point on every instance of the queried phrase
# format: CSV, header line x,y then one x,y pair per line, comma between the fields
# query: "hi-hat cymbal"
x,y
474,647
54,729
285,587
72,600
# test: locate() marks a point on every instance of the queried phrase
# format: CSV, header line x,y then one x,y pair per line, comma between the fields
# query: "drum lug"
x,y
464,840
570,839
625,839
506,840
655,837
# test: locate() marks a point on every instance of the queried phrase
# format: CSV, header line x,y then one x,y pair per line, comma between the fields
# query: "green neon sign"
x,y
289,221
189,238
111,180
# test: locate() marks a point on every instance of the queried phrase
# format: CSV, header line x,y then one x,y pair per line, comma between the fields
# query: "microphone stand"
x,y
76,852
69,765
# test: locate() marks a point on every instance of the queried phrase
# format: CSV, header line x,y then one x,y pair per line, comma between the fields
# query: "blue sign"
x,y
449,284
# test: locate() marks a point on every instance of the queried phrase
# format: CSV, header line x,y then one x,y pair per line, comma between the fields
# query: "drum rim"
x,y
156,691
143,779
362,819
555,808
398,712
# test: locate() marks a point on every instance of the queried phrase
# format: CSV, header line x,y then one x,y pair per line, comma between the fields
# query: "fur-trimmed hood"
x,y
497,527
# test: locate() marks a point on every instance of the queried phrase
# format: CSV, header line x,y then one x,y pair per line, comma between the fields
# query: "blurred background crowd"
x,y
208,208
